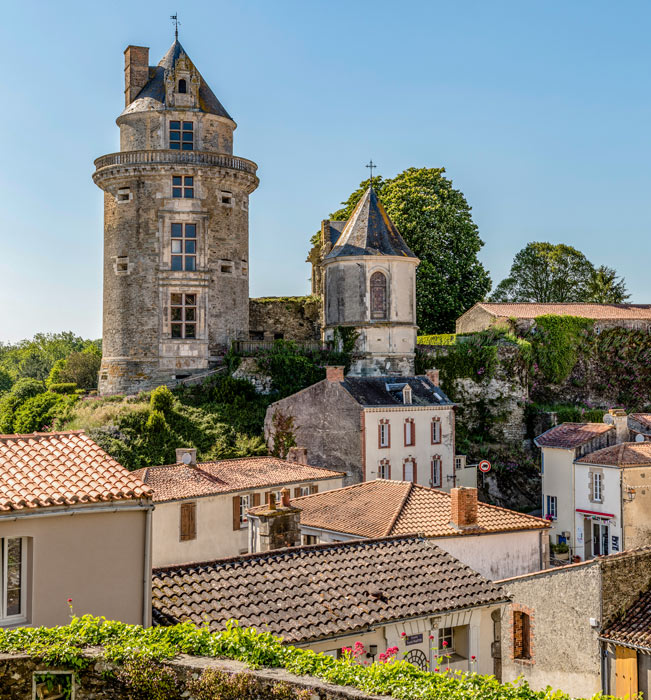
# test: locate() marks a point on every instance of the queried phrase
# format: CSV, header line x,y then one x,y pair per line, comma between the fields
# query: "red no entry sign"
x,y
484,466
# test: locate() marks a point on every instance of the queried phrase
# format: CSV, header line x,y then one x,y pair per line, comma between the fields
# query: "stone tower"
x,y
370,285
176,228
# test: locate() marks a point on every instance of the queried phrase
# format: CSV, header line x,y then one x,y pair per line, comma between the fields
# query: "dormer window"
x,y
406,394
183,86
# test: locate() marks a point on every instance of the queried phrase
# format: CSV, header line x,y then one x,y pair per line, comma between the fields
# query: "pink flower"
x,y
403,634
437,669
70,600
431,636
445,644
473,657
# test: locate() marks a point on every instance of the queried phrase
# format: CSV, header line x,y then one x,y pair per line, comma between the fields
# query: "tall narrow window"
x,y
552,507
384,434
409,470
245,504
181,136
183,315
188,525
384,469
446,639
183,186
183,86
12,555
378,295
410,432
597,487
184,247
436,431
521,635
435,481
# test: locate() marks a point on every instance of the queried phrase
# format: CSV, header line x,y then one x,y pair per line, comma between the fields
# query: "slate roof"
x,y
603,312
384,507
61,469
175,481
370,231
152,95
633,628
625,454
373,391
570,435
320,591
644,419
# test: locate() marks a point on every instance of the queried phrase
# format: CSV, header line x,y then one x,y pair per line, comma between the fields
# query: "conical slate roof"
x,y
370,231
152,96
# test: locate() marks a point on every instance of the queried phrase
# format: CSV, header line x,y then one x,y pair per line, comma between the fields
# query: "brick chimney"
x,y
298,455
335,374
620,421
464,507
136,71
433,376
186,455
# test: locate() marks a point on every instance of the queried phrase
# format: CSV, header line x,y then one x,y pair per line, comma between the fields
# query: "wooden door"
x,y
625,672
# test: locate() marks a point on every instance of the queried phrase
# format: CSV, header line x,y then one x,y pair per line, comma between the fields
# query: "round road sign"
x,y
484,466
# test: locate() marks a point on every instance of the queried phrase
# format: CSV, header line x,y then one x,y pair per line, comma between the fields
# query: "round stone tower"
x,y
370,286
176,228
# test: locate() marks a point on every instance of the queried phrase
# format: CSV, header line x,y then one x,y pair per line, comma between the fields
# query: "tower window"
x,y
184,315
181,136
227,198
182,186
378,295
183,86
124,194
184,247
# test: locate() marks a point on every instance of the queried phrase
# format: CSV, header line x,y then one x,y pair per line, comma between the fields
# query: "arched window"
x,y
378,295
183,87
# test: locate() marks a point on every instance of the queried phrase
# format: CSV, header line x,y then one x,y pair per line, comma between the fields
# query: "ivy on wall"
x,y
556,342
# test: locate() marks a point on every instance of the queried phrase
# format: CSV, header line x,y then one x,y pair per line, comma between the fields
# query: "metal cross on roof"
x,y
370,166
175,19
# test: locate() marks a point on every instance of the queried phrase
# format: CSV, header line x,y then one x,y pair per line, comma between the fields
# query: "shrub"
x,y
64,388
40,412
556,343
5,381
161,399
437,339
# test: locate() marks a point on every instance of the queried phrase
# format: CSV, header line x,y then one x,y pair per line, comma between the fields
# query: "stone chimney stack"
x,y
298,455
335,374
433,376
186,455
136,71
620,421
464,507
279,525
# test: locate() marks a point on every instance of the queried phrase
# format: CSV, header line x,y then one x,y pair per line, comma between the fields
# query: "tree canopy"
x,y
435,221
605,288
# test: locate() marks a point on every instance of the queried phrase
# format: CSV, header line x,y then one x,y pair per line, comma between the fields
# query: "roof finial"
x,y
175,19
370,166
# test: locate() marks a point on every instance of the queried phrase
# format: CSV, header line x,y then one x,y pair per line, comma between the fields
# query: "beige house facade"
x,y
74,526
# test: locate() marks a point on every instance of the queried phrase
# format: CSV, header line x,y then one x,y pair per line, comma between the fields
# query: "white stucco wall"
x,y
557,480
422,451
215,535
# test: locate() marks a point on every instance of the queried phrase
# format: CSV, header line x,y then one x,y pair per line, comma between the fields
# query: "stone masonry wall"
x,y
624,577
289,318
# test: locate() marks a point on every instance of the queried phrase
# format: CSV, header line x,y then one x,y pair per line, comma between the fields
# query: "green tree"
x,y
80,368
605,288
5,381
546,273
435,221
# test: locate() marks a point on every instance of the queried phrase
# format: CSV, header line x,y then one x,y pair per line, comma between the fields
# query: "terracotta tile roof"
x,y
644,419
174,481
57,469
569,435
633,628
626,454
320,591
602,312
380,508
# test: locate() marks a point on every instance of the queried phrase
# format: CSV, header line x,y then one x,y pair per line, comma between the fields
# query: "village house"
x,y
583,628
486,315
201,508
640,424
396,591
74,525
495,542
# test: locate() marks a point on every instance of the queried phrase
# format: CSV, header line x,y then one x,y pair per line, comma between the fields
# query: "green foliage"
x,y
345,339
5,381
63,388
604,288
138,650
144,679
241,686
556,342
21,391
38,413
283,434
57,684
437,339
435,221
81,368
162,399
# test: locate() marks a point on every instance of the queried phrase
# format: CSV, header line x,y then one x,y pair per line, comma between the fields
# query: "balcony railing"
x,y
191,157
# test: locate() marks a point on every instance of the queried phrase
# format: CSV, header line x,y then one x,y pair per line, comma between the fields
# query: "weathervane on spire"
x,y
370,166
175,19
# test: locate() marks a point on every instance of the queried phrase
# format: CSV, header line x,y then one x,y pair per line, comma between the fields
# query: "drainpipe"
x,y
146,590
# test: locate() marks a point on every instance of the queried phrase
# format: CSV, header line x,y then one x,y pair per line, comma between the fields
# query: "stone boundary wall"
x,y
16,672
295,318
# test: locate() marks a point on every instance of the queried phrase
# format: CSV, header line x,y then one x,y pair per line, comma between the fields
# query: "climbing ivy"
x,y
556,343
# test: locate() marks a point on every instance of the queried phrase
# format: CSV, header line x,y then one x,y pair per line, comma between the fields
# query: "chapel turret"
x,y
370,286
176,228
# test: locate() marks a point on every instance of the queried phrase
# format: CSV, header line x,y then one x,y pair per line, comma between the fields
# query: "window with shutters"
x,y
188,521
521,635
303,491
410,432
436,431
245,504
384,433
384,469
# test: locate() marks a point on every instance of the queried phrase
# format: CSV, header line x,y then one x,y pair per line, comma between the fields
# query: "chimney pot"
x,y
620,421
433,376
298,455
136,71
463,507
190,451
285,498
335,373
272,501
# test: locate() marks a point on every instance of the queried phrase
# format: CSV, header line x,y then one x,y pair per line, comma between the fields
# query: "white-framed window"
x,y
597,486
435,479
384,434
13,579
436,431
384,469
409,470
303,491
446,639
460,462
410,432
184,247
552,507
246,502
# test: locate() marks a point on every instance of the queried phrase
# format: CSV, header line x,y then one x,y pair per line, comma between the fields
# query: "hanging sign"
x,y
484,466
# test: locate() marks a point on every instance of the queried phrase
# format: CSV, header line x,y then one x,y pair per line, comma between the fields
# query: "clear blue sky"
x,y
539,112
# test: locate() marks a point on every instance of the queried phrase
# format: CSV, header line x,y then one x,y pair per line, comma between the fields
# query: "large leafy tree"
x,y
546,273
436,223
604,287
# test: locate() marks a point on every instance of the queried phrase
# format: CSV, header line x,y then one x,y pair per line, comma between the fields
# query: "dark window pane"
x,y
177,230
176,330
187,146
175,125
190,330
190,246
190,263
177,262
190,299
177,313
187,126
176,192
188,136
183,88
189,180
177,180
189,193
190,230
14,574
175,135
177,299
190,314
175,146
